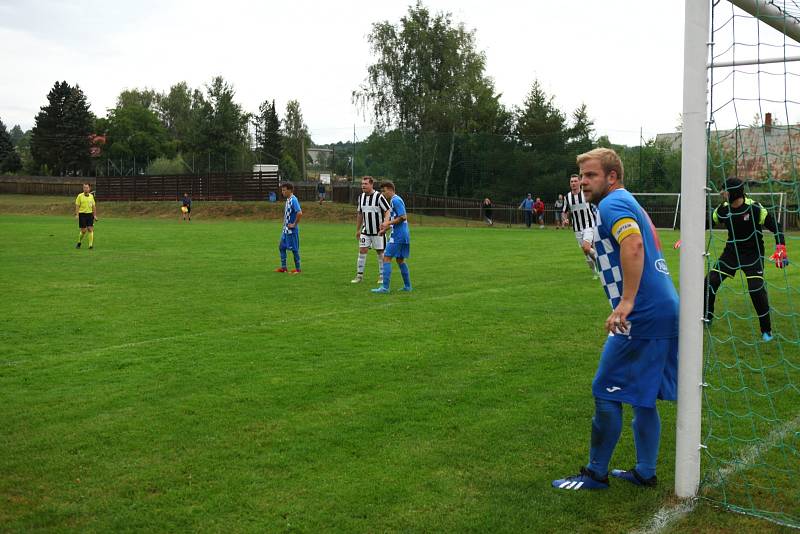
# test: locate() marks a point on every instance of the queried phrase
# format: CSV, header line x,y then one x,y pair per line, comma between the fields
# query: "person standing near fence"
x,y
577,208
321,192
186,207
86,213
538,209
559,208
487,211
527,210
372,208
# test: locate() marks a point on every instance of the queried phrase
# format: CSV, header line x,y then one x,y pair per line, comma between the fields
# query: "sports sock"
x,y
646,435
758,294
80,236
283,256
387,274
404,273
590,263
606,428
296,254
362,261
91,239
380,262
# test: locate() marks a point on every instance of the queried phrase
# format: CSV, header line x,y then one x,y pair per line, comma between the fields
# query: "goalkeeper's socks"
x,y
404,273
387,274
646,435
606,428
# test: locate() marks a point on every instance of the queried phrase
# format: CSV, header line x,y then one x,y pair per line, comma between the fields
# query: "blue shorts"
x,y
637,371
397,250
290,241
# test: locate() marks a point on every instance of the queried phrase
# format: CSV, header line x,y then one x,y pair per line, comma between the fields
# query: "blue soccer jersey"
x,y
655,309
290,214
400,233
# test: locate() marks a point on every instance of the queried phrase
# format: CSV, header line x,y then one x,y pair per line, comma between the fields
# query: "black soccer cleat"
x,y
633,476
78,244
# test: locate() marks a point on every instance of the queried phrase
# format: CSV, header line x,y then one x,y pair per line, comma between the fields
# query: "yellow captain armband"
x,y
623,228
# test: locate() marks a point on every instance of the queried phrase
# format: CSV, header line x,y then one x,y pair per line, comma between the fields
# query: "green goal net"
x,y
751,387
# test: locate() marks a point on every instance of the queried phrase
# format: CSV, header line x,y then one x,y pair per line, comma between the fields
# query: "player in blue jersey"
x,y
290,235
399,246
640,357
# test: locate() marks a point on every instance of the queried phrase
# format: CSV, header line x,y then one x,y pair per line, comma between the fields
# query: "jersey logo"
x,y
661,266
746,217
613,389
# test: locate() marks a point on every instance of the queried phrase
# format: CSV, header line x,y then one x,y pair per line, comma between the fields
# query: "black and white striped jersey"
x,y
580,211
372,207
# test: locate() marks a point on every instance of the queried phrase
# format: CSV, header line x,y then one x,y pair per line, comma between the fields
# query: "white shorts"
x,y
586,235
376,242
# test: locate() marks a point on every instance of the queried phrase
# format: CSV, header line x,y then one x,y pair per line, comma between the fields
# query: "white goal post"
x,y
694,194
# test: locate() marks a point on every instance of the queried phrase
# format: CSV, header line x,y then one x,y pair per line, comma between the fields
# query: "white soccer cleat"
x,y
357,279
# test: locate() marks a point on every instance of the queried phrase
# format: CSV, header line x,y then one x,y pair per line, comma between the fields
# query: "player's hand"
x,y
780,258
617,322
291,225
358,236
586,246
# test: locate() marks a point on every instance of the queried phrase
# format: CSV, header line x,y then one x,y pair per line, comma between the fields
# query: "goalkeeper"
x,y
744,249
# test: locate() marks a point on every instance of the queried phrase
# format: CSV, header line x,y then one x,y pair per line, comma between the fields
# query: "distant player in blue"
x,y
399,246
527,209
290,235
639,363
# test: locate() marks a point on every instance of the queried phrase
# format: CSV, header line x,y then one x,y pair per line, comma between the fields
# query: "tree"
x,y
295,135
135,134
580,134
9,159
175,110
541,126
427,78
16,134
60,137
268,132
220,125
146,98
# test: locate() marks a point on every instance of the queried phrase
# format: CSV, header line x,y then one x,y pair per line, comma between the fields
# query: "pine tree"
x,y
9,159
60,137
268,133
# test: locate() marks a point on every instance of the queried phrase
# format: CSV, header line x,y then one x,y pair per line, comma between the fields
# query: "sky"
x,y
623,58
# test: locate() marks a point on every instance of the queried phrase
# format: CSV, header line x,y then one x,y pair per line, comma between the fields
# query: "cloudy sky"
x,y
623,58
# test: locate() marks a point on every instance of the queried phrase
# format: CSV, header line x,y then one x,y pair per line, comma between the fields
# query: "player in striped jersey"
x,y
578,209
372,208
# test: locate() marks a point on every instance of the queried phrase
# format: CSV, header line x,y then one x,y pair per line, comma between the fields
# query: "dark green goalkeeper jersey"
x,y
745,226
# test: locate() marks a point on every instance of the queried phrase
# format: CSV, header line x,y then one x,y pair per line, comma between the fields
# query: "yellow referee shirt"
x,y
85,203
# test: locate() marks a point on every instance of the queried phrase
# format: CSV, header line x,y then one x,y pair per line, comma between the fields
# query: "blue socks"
x,y
283,256
606,428
404,272
646,435
387,274
296,254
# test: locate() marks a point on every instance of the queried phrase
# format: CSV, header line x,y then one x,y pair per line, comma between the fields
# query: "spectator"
x,y
538,207
321,191
527,206
487,211
559,207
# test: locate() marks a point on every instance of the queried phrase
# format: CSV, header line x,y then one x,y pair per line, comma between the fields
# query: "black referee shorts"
x,y
85,220
751,263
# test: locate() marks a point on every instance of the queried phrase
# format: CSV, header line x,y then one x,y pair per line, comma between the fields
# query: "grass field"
x,y
169,381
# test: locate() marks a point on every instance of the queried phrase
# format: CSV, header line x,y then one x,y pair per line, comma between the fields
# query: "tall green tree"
x,y
146,98
428,81
135,135
580,135
9,159
268,133
16,134
220,126
60,137
296,139
176,109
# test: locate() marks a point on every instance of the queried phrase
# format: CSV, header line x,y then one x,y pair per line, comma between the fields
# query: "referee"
x,y
745,220
86,213
580,211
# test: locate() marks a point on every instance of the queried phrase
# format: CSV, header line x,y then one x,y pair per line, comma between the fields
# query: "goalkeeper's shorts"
x,y
637,371
751,263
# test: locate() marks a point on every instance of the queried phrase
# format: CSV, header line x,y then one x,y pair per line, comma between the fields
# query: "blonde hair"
x,y
609,160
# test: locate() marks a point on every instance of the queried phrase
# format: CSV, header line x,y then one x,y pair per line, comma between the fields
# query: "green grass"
x,y
169,381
